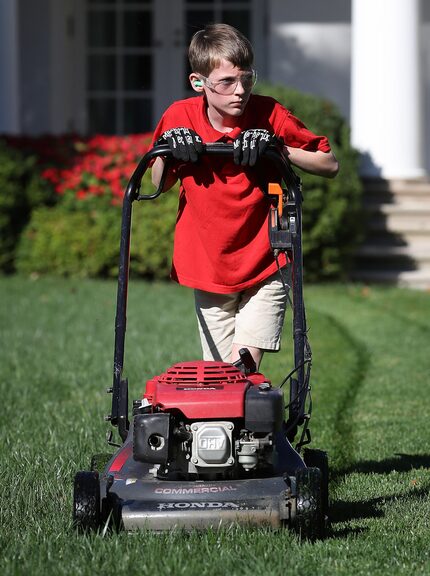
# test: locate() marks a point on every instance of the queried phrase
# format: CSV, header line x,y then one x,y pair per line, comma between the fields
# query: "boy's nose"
x,y
239,88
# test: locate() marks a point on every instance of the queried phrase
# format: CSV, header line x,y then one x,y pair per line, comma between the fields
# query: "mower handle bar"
x,y
119,415
272,153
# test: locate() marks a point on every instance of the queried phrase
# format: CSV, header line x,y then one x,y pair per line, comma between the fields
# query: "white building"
x,y
113,66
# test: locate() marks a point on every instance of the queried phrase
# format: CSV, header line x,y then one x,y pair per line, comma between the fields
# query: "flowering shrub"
x,y
80,235
101,165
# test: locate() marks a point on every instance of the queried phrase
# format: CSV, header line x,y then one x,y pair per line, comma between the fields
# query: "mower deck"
x,y
196,505
139,500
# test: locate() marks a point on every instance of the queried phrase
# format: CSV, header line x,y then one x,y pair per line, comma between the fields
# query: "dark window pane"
x,y
137,115
101,72
137,72
137,30
101,29
102,116
95,2
240,19
196,20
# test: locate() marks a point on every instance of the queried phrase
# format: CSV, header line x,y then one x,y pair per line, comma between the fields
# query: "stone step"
x,y
392,259
408,208
396,249
419,252
394,191
403,217
418,279
385,237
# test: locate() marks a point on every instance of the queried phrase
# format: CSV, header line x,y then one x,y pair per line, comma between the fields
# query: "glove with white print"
x,y
250,145
184,143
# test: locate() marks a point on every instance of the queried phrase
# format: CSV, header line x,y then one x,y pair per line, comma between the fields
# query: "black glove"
x,y
184,143
250,145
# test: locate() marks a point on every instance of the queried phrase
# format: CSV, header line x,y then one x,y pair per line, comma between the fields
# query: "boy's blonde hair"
x,y
218,42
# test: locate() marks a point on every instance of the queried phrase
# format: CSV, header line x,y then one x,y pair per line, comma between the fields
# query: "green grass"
x,y
370,377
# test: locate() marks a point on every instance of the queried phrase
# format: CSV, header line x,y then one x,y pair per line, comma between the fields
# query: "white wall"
x,y
425,61
310,48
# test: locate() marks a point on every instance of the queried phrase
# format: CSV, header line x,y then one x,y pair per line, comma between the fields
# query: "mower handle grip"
x,y
272,153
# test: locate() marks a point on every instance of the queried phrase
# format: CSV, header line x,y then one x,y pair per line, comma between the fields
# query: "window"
x,y
136,55
119,83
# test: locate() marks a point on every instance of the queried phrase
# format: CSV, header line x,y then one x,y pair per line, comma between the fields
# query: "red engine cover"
x,y
202,390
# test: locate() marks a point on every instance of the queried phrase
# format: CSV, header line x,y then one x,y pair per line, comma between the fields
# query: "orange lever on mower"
x,y
276,190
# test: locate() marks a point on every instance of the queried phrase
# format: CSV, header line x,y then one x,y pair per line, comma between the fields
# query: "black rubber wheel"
x,y
318,459
310,518
86,502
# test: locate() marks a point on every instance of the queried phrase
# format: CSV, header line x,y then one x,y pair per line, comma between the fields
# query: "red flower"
x,y
97,165
96,190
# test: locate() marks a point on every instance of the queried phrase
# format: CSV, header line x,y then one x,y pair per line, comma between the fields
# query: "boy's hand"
x,y
250,145
184,143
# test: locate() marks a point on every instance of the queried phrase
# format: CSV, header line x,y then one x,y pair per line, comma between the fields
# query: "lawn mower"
x,y
210,443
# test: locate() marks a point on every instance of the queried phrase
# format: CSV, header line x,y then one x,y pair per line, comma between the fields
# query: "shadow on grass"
x,y
398,463
343,511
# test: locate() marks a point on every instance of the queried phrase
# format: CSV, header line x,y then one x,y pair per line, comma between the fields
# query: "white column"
x,y
9,67
386,85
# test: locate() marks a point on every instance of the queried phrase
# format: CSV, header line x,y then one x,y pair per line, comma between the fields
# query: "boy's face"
x,y
226,105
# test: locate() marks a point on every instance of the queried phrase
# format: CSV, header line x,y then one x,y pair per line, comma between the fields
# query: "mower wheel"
x,y
310,518
319,459
86,501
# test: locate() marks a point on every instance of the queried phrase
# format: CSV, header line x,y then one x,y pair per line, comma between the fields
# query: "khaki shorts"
x,y
253,317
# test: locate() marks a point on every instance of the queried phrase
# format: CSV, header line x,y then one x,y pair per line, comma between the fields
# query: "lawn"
x,y
371,392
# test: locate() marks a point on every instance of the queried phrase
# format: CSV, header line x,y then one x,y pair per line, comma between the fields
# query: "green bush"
x,y
153,232
21,190
70,243
332,208
81,237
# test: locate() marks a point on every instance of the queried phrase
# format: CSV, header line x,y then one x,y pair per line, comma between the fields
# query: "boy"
x,y
221,239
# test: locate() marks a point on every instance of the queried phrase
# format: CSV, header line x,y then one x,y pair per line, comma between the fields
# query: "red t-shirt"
x,y
221,237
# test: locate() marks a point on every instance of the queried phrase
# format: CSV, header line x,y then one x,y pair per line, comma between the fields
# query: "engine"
x,y
207,420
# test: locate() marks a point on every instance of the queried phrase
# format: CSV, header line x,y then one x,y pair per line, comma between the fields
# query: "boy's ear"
x,y
196,83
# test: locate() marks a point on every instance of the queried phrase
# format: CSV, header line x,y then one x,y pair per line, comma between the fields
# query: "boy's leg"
x,y
250,319
260,318
216,320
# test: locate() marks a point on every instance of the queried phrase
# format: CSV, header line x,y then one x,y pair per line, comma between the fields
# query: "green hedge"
x,y
21,190
80,235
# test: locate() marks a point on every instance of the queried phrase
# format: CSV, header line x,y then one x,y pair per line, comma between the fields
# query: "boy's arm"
x,y
157,172
319,163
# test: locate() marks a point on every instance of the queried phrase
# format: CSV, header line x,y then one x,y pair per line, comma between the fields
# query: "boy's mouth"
x,y
238,103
